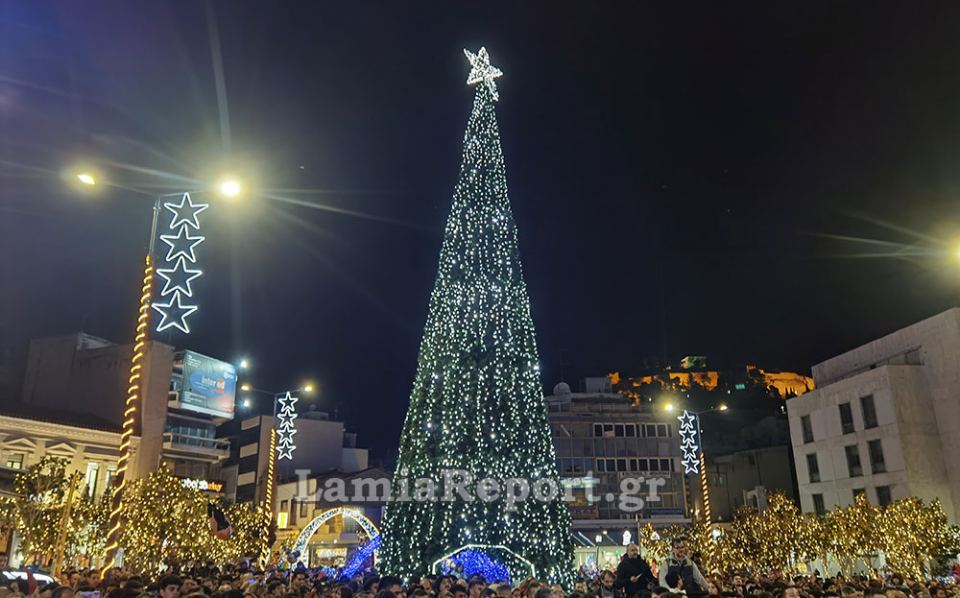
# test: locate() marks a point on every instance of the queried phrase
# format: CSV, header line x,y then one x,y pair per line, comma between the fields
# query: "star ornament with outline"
x,y
482,71
185,212
689,417
182,244
690,464
178,278
174,314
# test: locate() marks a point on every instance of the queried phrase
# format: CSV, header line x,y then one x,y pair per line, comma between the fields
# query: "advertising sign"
x,y
209,385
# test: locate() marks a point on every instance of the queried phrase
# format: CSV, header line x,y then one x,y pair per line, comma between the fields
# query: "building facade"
x,y
747,477
87,376
90,451
884,421
323,446
601,438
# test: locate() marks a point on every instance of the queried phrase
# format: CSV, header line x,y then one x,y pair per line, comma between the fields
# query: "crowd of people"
x,y
676,577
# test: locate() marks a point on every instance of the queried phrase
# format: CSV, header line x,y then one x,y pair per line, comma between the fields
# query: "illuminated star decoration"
x,y
178,276
185,212
181,244
286,428
688,443
482,71
174,314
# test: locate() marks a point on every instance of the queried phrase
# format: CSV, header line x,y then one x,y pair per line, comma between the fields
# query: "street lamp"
x,y
230,187
181,248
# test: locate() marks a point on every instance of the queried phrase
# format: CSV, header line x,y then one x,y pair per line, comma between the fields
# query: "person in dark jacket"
x,y
633,573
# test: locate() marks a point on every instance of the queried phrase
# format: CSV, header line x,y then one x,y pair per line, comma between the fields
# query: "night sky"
x,y
680,174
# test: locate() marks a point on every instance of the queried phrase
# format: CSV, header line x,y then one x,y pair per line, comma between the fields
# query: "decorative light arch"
x,y
362,520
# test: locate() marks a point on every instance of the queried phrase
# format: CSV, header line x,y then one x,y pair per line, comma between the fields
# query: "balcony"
x,y
196,447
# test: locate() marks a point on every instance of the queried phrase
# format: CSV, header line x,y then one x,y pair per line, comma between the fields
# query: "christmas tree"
x,y
477,404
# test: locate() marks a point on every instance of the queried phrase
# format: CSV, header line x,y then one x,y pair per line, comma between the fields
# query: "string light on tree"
x,y
477,401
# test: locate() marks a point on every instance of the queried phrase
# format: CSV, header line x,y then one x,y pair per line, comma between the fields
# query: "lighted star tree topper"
x,y
176,297
477,401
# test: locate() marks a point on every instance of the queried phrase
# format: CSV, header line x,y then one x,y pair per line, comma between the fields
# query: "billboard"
x,y
209,385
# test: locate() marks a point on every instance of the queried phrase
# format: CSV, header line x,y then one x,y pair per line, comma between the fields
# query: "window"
x,y
598,429
14,461
303,509
284,505
875,449
631,430
621,464
111,475
858,492
853,461
654,465
846,418
818,506
665,464
663,431
293,510
883,496
618,431
813,468
869,412
90,481
608,430
601,465
807,429
642,465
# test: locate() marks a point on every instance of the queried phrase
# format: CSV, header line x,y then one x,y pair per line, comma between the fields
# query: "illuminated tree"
x,y
477,402
911,534
852,532
41,493
779,538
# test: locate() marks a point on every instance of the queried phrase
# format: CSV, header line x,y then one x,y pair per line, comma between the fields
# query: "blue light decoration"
x,y
688,443
470,562
178,275
360,558
286,428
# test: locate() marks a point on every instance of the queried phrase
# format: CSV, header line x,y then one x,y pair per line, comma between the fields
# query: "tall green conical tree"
x,y
477,404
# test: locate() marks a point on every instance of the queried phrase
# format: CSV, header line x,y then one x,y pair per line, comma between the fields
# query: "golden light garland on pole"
x,y
129,414
268,503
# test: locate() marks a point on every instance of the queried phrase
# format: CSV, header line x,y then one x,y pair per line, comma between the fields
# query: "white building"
x,y
884,420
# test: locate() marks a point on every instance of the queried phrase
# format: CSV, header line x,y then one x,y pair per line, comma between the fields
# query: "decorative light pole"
x,y
281,447
174,312
691,443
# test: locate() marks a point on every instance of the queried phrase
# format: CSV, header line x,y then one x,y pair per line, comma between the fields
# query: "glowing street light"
x,y
229,187
308,388
246,387
87,179
244,364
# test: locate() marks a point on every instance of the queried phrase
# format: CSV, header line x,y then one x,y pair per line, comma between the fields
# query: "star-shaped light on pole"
x,y
286,428
185,212
482,71
178,278
174,314
181,244
688,442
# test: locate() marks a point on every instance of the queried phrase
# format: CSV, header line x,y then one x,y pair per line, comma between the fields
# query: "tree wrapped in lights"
x,y
852,532
911,534
779,538
477,403
41,493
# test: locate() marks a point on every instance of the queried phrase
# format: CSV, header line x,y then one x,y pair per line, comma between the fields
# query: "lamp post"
x,y
287,431
140,339
694,460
